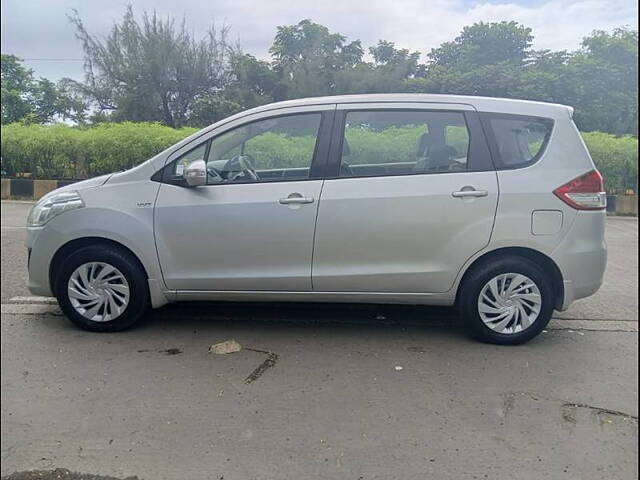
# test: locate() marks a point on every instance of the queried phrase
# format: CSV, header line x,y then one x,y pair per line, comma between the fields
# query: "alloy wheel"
x,y
509,303
98,291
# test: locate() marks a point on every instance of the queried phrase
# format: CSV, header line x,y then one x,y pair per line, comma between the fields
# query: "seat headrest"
x,y
346,151
424,142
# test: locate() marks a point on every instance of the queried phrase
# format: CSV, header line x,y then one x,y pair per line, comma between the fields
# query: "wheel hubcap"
x,y
98,291
509,303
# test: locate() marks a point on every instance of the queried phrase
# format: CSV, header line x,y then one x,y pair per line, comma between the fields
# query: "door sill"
x,y
442,299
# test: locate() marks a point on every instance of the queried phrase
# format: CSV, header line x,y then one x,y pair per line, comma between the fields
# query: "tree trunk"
x,y
168,117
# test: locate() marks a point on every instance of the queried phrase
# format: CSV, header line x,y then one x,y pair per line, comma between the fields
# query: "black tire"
x,y
478,277
127,265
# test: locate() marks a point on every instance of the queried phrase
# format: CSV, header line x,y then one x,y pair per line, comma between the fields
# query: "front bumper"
x,y
40,251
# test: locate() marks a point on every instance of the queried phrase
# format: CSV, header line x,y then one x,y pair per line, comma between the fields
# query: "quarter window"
x,y
518,141
401,142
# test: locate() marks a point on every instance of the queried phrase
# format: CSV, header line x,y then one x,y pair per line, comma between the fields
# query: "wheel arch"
x,y
544,261
65,250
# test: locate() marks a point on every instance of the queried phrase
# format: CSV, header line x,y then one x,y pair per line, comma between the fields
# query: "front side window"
x,y
518,140
279,148
274,149
401,142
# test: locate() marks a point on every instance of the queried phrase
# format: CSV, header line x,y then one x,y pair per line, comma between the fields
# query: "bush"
x,y
281,151
616,158
62,151
117,146
46,151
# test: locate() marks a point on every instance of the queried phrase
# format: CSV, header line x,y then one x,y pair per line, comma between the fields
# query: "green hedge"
x,y
62,151
616,158
273,150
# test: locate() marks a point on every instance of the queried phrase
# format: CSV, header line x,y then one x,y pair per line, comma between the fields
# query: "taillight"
x,y
585,192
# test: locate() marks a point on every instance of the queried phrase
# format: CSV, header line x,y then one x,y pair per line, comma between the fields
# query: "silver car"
x,y
492,205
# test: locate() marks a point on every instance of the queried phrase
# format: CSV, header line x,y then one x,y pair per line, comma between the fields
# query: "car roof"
x,y
481,104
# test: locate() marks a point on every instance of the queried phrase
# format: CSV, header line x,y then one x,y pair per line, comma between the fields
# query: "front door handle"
x,y
470,193
295,199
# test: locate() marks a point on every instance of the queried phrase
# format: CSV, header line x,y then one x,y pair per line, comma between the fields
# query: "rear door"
x,y
410,195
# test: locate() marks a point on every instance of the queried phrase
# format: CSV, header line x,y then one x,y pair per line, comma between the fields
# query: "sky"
x,y
39,31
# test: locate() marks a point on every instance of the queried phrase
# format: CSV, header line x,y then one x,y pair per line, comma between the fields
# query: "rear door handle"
x,y
470,193
295,198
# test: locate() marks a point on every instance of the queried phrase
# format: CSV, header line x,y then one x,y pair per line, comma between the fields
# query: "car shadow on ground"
x,y
304,316
274,322
236,317
304,321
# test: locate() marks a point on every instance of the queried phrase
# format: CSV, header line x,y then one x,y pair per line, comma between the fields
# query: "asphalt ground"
x,y
319,391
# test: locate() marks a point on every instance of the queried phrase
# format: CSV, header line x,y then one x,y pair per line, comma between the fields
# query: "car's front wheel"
x,y
102,288
506,301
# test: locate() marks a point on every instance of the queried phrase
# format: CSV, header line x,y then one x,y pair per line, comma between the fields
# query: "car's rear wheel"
x,y
102,288
506,301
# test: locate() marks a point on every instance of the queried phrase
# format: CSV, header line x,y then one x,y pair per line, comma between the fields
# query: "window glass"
x,y
279,148
520,140
458,137
393,142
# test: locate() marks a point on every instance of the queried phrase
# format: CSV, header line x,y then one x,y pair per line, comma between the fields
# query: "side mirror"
x,y
196,173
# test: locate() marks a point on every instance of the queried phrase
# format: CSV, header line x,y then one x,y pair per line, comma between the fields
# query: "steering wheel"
x,y
241,164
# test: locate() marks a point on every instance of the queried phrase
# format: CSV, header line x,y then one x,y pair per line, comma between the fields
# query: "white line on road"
x,y
595,325
34,299
28,309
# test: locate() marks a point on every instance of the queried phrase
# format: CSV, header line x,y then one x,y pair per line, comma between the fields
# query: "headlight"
x,y
52,206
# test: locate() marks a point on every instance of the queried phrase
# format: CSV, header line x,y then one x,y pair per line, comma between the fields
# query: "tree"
x,y
17,83
485,44
34,101
307,57
395,63
390,68
485,59
252,84
605,73
152,71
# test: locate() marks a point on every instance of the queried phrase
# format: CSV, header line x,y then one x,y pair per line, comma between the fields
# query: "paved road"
x,y
352,391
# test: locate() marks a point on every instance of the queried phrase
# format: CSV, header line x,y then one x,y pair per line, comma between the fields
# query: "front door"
x,y
413,196
251,227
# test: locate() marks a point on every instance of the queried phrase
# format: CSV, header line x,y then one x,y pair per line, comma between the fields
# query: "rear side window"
x,y
401,142
516,141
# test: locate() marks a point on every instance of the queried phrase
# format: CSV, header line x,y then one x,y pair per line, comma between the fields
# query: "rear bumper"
x,y
582,257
